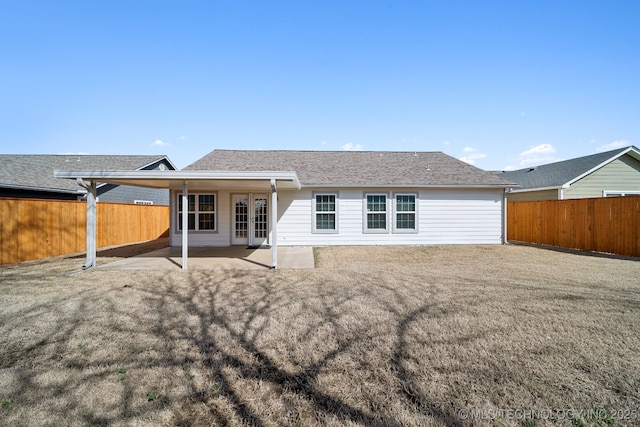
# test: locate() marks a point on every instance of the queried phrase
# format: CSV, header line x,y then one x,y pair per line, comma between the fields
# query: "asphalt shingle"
x,y
558,173
351,168
35,171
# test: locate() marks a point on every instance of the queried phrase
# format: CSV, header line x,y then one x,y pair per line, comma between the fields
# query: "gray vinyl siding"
x,y
529,196
129,194
621,174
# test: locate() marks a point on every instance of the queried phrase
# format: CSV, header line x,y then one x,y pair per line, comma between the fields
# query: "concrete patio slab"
x,y
230,258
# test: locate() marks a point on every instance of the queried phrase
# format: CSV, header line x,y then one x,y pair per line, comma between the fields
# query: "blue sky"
x,y
501,84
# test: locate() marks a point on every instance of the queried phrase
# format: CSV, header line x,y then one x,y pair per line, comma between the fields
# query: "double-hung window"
x,y
201,211
405,213
376,220
325,213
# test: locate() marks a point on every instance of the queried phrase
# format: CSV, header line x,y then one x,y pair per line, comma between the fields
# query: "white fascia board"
x,y
526,190
497,186
631,150
151,175
47,190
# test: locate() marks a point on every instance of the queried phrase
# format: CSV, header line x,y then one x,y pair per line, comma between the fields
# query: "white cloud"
x,y
471,155
159,143
613,145
350,146
508,168
523,113
539,150
447,143
539,154
323,143
182,138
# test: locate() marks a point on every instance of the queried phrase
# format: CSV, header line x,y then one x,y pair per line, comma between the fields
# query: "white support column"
x,y
274,224
504,216
185,224
91,221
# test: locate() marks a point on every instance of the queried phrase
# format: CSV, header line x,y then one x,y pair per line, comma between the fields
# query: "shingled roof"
x,y
355,168
554,175
35,171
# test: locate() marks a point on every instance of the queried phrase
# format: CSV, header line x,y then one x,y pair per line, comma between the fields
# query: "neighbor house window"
x,y
376,213
201,211
608,193
325,213
405,213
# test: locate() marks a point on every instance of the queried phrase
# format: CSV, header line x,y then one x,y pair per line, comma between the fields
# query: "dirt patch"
x,y
442,336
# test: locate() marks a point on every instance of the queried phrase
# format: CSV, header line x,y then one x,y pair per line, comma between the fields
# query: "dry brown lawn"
x,y
435,336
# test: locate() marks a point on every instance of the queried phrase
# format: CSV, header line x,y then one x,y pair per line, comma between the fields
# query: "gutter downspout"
x,y
91,221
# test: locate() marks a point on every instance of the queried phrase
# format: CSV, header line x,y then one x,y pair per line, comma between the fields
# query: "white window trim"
x,y
396,212
314,213
622,193
365,216
197,212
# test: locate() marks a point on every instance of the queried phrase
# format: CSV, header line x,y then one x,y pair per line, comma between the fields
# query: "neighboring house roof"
x,y
35,171
564,173
355,168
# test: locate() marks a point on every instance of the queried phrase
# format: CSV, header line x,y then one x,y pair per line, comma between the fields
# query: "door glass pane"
x,y
260,221
242,213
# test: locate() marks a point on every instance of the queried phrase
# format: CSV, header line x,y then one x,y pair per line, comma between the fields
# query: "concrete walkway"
x,y
231,258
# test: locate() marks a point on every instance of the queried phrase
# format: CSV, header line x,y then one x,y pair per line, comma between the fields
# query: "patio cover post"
x,y
185,224
274,224
91,221
504,216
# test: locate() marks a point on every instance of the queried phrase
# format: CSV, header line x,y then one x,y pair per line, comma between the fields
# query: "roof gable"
x,y
559,174
35,171
354,168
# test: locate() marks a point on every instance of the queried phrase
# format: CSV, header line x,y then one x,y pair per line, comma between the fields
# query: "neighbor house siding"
x,y
444,217
129,194
621,174
530,196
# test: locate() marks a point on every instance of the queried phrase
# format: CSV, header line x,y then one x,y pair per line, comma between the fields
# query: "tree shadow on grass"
x,y
228,347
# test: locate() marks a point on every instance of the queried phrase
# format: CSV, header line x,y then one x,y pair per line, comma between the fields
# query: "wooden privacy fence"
x,y
608,224
33,229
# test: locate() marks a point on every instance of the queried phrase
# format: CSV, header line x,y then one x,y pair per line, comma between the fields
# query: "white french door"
x,y
250,219
240,207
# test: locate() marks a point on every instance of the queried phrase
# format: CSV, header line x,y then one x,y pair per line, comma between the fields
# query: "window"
x,y
608,193
376,213
325,213
405,213
201,211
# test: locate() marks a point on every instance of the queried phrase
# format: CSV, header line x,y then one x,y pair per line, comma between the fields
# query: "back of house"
x,y
343,198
